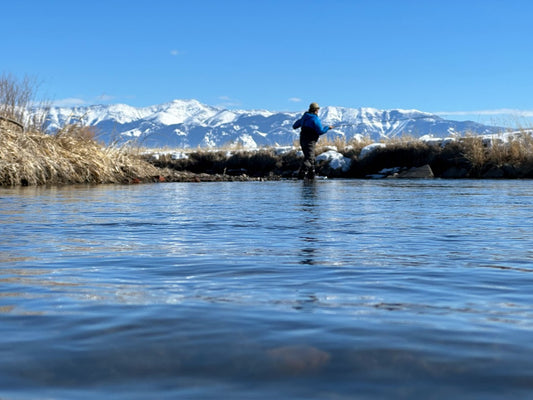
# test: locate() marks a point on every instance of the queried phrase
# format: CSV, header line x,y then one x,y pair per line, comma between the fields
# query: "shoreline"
x,y
73,156
467,158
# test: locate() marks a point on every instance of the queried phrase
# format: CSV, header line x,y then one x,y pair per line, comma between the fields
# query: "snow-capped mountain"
x,y
189,123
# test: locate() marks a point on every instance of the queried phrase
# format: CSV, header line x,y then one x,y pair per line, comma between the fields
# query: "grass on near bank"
x,y
28,156
70,156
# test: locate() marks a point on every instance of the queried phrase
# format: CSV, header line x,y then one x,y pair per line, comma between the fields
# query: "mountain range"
x,y
189,124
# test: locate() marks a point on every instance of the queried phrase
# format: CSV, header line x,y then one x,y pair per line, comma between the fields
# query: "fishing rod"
x,y
344,125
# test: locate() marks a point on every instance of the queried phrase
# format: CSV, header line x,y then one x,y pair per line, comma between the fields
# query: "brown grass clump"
x,y
474,150
484,153
517,151
70,156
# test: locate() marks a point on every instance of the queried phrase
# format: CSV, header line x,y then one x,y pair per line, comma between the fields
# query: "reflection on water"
x,y
329,289
310,226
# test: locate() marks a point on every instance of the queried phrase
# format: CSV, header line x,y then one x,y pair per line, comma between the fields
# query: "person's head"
x,y
313,108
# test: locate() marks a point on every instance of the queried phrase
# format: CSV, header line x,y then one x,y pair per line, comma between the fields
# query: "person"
x,y
311,129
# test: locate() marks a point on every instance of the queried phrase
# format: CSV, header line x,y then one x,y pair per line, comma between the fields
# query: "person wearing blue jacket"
x,y
311,129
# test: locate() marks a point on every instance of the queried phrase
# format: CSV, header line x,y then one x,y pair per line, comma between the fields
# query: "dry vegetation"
x,y
469,157
28,156
517,151
71,156
347,147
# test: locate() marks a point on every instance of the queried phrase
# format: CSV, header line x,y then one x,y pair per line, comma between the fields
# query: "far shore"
x,y
464,158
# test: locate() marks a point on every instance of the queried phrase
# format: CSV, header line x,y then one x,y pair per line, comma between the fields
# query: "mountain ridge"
x,y
190,123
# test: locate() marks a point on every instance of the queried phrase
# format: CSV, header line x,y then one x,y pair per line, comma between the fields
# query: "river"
x,y
338,289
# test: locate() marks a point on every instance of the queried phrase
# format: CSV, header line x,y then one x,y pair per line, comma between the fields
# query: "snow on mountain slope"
x,y
189,123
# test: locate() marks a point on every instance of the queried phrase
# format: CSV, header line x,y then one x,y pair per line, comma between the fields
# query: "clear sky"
x,y
464,59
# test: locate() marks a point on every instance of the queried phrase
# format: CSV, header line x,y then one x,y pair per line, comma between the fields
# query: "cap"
x,y
313,107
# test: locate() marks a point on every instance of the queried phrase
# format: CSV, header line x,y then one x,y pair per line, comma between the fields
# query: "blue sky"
x,y
463,59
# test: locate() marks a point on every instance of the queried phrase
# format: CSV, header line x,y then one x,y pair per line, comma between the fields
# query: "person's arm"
x,y
297,124
319,128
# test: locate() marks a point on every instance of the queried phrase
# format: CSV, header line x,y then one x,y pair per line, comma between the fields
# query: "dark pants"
x,y
308,143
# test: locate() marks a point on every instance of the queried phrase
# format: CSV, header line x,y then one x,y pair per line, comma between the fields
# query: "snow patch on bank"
x,y
336,160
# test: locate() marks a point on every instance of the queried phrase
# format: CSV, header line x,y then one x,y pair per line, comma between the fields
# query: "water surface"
x,y
333,290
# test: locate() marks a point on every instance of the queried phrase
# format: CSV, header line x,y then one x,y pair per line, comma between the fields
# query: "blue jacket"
x,y
310,122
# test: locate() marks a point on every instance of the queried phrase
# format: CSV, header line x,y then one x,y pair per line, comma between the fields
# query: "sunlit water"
x,y
261,290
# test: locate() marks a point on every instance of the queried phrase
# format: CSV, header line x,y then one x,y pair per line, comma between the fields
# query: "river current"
x,y
337,289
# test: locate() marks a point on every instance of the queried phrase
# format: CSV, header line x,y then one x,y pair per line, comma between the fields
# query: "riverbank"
x,y
73,156
468,157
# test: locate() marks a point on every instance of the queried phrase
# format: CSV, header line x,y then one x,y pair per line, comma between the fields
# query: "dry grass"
x,y
70,156
474,150
517,150
352,146
28,156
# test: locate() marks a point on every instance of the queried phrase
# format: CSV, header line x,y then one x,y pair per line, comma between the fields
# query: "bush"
x,y
210,162
397,154
258,164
